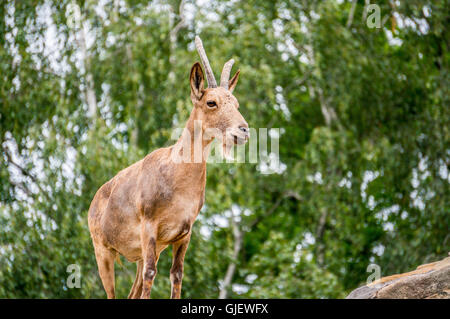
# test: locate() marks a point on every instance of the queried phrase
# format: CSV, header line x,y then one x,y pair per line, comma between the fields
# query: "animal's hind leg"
x,y
105,262
136,290
176,272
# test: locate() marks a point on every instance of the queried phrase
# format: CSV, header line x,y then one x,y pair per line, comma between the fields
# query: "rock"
x,y
430,281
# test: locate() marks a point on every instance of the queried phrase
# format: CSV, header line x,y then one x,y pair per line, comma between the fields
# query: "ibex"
x,y
154,202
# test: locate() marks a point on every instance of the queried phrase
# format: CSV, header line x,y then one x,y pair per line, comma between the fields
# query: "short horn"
x,y
225,76
209,73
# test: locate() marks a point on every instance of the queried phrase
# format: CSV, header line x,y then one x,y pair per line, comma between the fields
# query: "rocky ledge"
x,y
429,281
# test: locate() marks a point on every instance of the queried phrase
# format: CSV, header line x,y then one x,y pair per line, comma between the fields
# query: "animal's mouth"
x,y
239,140
233,138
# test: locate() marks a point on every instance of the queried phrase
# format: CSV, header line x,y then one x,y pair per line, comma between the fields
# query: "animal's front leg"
x,y
176,272
150,255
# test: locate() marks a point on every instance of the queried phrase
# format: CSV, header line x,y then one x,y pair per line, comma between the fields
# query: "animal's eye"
x,y
211,104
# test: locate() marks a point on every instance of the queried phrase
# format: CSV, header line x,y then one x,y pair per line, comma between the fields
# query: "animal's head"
x,y
216,106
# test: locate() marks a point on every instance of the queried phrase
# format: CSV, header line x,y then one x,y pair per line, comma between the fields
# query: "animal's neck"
x,y
193,142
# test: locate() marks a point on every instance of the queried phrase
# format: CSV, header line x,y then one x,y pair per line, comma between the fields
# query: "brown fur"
x,y
154,202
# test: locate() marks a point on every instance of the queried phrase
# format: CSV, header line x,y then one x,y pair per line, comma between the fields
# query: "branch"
x,y
176,29
238,237
173,38
25,173
351,14
365,10
319,236
328,112
287,194
257,220
386,17
22,186
91,99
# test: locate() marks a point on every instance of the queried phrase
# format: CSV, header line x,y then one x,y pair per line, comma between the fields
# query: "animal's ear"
x,y
197,81
232,83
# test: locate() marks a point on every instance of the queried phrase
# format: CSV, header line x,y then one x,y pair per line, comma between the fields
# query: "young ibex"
x,y
154,202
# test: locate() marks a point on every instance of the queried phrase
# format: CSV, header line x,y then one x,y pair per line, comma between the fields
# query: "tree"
x,y
363,139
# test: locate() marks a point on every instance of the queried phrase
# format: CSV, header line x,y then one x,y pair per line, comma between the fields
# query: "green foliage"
x,y
364,121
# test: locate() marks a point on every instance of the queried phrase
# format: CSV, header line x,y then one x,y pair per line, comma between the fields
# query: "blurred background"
x,y
89,87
